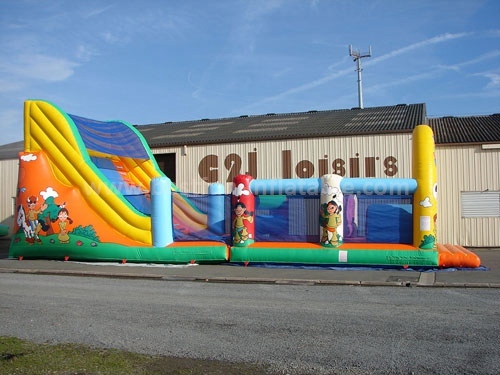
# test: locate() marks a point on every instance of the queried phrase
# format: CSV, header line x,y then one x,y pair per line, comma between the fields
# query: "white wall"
x,y
8,189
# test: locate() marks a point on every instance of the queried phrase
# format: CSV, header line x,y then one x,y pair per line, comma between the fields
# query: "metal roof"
x,y
400,118
466,130
11,150
375,120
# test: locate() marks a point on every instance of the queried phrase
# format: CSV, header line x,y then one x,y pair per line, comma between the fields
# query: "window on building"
x,y
166,162
480,203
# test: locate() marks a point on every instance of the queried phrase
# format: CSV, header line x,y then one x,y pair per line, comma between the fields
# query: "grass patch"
x,y
28,358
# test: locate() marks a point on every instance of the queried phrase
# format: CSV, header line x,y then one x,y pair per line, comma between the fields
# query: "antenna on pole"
x,y
357,56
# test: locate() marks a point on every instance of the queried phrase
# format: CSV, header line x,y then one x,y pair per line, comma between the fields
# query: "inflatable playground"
x,y
92,191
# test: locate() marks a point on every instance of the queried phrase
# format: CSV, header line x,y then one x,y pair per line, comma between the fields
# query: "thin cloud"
x,y
43,67
97,11
259,9
85,52
10,85
493,77
310,85
493,33
435,40
112,38
468,95
11,120
252,22
483,57
403,81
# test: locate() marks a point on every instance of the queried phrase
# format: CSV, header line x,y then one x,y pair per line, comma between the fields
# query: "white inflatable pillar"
x,y
331,202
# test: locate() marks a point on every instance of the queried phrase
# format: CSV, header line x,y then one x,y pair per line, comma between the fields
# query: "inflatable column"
x,y
331,199
425,198
243,207
161,212
215,213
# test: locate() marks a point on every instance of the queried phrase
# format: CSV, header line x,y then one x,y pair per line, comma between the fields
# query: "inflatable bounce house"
x,y
92,191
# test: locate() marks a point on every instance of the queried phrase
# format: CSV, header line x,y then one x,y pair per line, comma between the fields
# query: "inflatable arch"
x,y
91,190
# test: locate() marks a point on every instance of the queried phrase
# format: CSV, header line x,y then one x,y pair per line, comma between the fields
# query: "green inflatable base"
x,y
88,250
355,254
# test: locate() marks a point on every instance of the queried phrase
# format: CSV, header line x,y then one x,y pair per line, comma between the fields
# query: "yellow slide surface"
x,y
50,130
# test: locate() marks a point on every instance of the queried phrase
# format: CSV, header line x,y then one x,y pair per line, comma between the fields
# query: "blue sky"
x,y
155,61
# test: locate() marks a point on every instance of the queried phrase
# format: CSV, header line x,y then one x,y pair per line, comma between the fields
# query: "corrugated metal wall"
x,y
463,169
460,168
360,156
9,170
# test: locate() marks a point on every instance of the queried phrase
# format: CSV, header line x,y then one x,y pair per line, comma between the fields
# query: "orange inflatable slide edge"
x,y
457,256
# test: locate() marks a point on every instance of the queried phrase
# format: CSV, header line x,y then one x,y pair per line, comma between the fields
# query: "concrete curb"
x,y
426,279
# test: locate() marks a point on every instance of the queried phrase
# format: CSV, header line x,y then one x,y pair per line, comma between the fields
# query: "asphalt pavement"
x,y
486,276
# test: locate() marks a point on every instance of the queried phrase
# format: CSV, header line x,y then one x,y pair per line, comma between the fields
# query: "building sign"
x,y
213,168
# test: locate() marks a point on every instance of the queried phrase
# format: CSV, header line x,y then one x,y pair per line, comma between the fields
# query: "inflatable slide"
x,y
85,192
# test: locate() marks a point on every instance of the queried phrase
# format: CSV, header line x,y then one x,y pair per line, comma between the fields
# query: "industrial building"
x,y
368,142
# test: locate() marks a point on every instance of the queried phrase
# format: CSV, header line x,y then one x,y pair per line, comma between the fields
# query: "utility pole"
x,y
357,56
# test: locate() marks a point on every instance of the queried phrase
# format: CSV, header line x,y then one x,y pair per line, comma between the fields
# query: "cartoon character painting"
x,y
39,218
43,218
64,219
32,217
240,232
24,226
331,219
242,202
331,199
